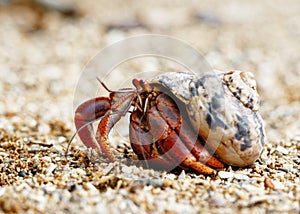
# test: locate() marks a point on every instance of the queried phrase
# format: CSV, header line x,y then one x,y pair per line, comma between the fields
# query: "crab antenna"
x,y
103,84
107,89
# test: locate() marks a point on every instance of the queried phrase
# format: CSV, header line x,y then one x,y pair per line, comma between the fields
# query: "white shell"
x,y
223,107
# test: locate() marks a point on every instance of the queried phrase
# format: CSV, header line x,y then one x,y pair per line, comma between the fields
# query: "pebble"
x,y
108,169
22,173
90,187
47,159
282,150
167,183
170,176
181,176
217,200
4,154
278,185
61,139
241,176
296,160
126,169
225,175
268,183
50,169
156,182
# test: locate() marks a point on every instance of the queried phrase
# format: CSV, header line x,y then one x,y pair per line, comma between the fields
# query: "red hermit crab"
x,y
196,121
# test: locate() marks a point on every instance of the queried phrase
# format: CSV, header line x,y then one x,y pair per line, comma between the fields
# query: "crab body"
x,y
180,118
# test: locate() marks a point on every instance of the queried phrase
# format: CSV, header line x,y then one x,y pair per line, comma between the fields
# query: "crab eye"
x,y
243,86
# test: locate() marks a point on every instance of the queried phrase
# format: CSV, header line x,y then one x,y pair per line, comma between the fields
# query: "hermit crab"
x,y
195,121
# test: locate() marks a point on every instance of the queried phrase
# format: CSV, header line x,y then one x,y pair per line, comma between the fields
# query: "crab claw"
x,y
87,113
109,111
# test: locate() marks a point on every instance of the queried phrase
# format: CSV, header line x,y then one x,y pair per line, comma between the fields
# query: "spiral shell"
x,y
223,107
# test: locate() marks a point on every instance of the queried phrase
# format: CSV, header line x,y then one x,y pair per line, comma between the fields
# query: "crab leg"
x,y
121,102
166,140
173,146
170,113
104,128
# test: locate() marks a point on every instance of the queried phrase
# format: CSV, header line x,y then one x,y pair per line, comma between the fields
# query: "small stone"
x,y
108,169
296,160
156,190
126,169
22,173
217,200
50,169
170,176
278,185
182,175
89,187
241,177
225,175
167,183
282,150
61,139
47,159
3,154
156,182
268,183
287,167
72,187
259,199
175,185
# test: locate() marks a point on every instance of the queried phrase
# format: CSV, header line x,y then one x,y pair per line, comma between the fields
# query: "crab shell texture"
x,y
223,107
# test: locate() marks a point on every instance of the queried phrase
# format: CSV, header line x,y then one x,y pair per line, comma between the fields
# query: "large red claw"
x,y
86,113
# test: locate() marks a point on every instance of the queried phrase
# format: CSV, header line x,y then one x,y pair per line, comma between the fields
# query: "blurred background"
x,y
45,44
